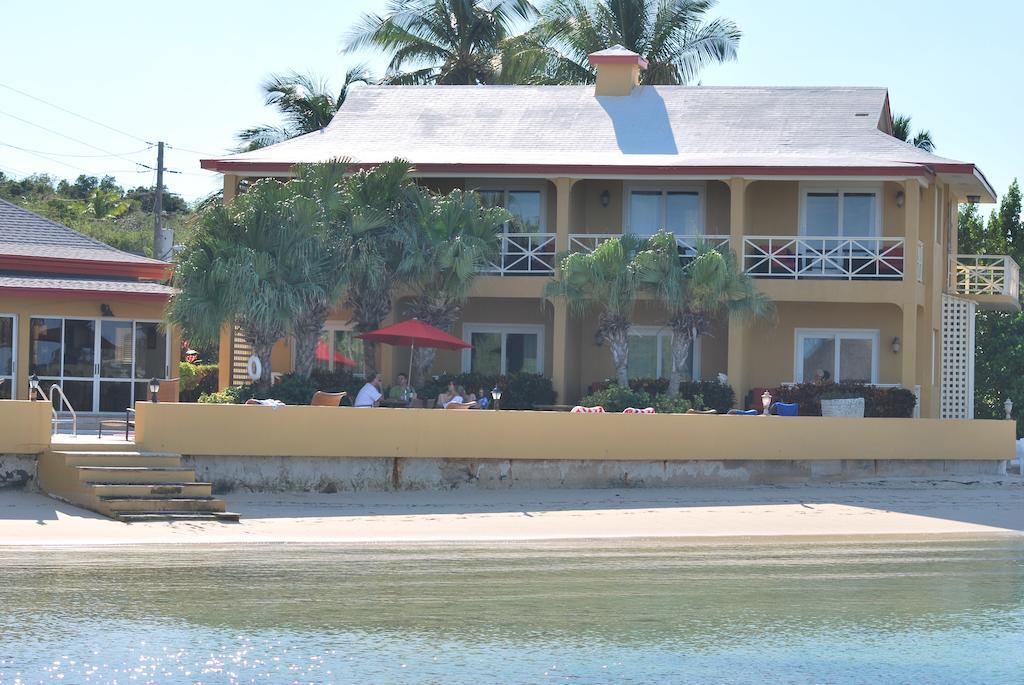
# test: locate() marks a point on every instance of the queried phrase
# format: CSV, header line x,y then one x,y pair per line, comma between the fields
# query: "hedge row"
x,y
701,394
878,402
518,390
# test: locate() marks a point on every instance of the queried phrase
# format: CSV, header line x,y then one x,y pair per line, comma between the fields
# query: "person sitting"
x,y
457,396
483,399
446,396
402,391
370,394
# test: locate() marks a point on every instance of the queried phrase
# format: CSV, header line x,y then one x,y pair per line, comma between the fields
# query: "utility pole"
x,y
163,240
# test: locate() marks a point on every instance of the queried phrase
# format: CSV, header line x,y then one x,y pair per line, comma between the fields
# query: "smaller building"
x,y
79,314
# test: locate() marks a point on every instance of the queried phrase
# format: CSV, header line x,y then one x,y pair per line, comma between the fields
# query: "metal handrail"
x,y
64,399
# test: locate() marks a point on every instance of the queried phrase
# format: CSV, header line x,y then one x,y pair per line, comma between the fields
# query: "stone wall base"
x,y
334,474
18,471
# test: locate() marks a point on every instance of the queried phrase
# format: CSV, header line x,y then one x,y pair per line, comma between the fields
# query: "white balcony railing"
x,y
587,242
525,254
976,274
823,257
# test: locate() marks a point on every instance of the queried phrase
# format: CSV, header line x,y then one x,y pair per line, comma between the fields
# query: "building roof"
x,y
30,242
29,284
567,129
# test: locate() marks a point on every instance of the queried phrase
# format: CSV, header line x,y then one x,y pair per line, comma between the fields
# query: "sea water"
x,y
949,611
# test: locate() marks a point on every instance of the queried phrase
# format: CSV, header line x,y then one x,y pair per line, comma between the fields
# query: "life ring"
x,y
254,367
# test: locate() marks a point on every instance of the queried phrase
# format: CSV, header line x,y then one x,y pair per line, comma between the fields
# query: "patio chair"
x,y
784,409
169,391
327,399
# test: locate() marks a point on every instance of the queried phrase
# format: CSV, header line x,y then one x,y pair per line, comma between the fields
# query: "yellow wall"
x,y
24,308
24,427
195,429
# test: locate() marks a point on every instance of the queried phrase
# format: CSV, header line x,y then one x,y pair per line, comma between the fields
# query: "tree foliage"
x,y
999,336
902,129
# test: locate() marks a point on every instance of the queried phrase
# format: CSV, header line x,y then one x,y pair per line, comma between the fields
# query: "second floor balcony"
x,y
993,281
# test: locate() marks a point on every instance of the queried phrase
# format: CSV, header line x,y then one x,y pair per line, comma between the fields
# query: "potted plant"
x,y
835,402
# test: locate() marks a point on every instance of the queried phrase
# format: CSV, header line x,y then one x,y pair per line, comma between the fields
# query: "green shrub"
x,y
878,402
700,394
290,389
196,380
615,398
518,390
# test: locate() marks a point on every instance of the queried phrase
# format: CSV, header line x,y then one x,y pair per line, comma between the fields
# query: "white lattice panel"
x,y
241,350
957,358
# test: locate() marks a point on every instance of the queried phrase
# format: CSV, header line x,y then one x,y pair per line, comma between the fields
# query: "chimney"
x,y
618,70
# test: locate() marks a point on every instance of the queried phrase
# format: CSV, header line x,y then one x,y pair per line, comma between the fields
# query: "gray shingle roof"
x,y
84,284
25,233
655,126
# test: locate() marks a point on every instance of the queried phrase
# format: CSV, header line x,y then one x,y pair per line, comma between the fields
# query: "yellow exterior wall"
x,y
24,427
24,308
195,429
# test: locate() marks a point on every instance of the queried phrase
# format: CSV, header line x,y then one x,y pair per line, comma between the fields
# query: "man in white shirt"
x,y
370,394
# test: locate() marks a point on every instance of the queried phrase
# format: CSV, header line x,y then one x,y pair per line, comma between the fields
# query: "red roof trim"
x,y
639,170
85,267
77,294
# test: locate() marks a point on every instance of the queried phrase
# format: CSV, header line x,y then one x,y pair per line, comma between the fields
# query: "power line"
x,y
65,154
80,142
75,114
194,152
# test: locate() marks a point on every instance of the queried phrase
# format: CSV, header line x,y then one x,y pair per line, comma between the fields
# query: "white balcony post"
x,y
736,365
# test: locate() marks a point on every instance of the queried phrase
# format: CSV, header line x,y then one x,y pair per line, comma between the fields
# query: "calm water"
x,y
941,612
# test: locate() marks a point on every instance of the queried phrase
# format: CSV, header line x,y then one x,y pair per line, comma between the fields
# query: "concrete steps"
x,y
124,484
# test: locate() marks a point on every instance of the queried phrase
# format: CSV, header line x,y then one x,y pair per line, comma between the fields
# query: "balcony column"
x,y
560,338
909,346
736,365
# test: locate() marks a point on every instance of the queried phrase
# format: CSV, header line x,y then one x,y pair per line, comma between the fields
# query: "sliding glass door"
x,y
101,364
8,359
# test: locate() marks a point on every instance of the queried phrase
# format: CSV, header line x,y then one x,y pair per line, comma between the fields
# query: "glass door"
x,y
78,376
150,356
8,338
116,356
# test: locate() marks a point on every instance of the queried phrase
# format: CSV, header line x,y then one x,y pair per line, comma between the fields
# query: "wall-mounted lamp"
x,y
901,197
973,199
105,310
896,345
606,198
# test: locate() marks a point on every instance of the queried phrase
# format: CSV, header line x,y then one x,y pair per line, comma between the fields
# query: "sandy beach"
x,y
908,508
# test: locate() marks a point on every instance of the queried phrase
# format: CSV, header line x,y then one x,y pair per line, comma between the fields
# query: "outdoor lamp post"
x,y
154,388
1008,406
766,401
33,387
496,394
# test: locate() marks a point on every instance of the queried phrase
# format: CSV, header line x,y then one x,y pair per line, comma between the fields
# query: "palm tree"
x,y
901,129
383,202
694,291
606,280
106,203
306,103
676,37
452,238
248,263
445,42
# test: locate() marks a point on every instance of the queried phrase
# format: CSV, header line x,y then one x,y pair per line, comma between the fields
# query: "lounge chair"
x,y
701,411
169,391
327,399
743,412
785,409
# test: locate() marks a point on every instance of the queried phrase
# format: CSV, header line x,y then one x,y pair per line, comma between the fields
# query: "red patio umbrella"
x,y
323,354
413,333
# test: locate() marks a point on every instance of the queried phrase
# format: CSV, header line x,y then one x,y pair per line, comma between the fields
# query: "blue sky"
x,y
188,73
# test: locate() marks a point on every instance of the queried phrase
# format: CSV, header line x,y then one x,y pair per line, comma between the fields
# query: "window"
x,y
677,210
8,359
650,354
503,348
525,205
837,355
338,341
841,213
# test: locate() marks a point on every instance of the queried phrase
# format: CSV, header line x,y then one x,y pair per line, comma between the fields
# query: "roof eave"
x,y
158,271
